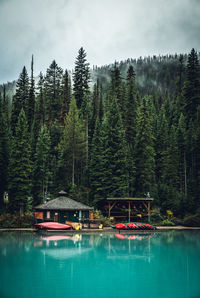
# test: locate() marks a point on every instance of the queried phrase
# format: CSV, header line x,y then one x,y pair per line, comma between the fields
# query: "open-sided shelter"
x,y
128,208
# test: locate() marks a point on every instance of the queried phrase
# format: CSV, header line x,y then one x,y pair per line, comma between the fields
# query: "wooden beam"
x,y
110,208
145,205
129,211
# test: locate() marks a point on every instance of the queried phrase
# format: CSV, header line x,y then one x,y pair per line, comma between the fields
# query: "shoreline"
x,y
104,230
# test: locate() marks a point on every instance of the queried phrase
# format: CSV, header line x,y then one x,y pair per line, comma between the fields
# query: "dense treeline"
x,y
125,137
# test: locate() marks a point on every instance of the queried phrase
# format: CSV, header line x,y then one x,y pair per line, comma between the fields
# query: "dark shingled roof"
x,y
63,203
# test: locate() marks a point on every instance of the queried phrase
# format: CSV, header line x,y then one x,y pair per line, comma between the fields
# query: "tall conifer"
x,y
20,166
81,77
144,152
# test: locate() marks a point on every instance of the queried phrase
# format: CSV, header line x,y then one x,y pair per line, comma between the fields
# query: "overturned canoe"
x,y
134,226
51,226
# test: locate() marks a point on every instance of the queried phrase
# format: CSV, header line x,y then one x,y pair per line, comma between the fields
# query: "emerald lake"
x,y
157,264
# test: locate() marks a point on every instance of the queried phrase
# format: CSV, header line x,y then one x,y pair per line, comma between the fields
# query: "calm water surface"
x,y
100,265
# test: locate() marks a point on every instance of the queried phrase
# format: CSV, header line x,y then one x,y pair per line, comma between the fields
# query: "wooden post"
x,y
109,211
149,211
129,211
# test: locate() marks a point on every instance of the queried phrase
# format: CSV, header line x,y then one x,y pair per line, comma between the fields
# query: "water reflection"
x,y
68,245
81,265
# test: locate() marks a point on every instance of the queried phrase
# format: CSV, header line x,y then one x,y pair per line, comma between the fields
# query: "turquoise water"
x,y
100,265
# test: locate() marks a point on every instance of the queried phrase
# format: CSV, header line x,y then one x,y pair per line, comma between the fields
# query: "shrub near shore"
x,y
8,220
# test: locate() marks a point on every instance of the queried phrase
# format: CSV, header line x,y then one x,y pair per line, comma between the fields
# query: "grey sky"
x,y
108,30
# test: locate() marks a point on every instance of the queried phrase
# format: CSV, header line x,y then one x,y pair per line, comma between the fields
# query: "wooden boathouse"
x,y
62,210
128,208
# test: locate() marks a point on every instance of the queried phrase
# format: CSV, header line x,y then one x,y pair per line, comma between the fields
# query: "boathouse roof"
x,y
63,203
130,199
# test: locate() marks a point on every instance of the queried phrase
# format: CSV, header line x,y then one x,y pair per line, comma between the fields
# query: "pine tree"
x,y
191,89
170,172
4,152
180,78
39,115
144,152
116,82
66,97
130,73
31,101
41,168
115,176
96,166
161,142
20,167
117,89
81,77
94,110
20,99
40,99
72,145
131,108
53,91
182,164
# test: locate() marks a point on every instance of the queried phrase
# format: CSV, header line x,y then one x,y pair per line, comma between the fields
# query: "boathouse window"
x,y
48,214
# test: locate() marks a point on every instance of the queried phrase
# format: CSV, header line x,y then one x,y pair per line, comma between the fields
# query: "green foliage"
x,y
8,220
53,91
66,97
20,167
191,88
144,153
41,168
21,98
114,175
72,145
167,222
4,152
81,77
109,143
31,100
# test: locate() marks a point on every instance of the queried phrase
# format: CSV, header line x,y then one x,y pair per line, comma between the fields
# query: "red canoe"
x,y
133,226
51,226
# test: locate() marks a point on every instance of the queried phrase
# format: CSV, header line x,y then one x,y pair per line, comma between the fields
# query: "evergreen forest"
x,y
130,129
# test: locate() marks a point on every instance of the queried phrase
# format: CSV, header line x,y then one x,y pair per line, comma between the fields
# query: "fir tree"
x,y
40,99
94,110
39,115
131,108
115,176
170,171
130,73
96,166
4,152
81,77
144,151
66,96
41,168
117,88
182,163
20,167
192,87
20,99
72,145
31,101
53,91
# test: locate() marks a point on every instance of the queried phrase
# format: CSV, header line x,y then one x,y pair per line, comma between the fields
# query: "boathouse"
x,y
128,208
62,210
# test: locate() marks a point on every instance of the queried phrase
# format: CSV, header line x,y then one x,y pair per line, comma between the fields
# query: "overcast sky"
x,y
108,30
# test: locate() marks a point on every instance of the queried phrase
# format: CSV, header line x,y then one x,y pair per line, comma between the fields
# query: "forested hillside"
x,y
136,130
